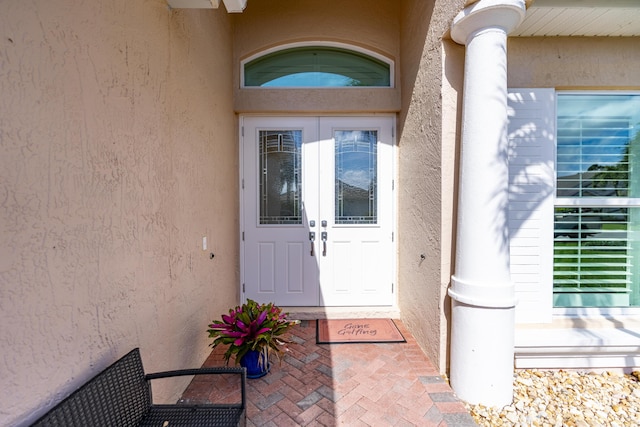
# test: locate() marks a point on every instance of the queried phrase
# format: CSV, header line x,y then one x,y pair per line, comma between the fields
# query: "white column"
x,y
482,294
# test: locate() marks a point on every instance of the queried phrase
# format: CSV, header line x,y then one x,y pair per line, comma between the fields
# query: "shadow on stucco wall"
x,y
426,172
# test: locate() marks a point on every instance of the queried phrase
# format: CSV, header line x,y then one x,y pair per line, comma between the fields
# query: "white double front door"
x,y
318,210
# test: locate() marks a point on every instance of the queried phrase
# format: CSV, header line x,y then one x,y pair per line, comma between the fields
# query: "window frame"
x,y
337,45
589,202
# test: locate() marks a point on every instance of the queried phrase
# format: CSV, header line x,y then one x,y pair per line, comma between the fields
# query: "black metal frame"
x,y
121,396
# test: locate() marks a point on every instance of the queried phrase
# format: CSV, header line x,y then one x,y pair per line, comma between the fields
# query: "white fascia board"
x,y
235,6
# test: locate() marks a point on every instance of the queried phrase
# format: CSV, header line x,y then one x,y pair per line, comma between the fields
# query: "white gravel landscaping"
x,y
567,398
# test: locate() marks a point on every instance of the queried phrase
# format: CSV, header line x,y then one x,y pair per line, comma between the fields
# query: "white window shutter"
x,y
531,196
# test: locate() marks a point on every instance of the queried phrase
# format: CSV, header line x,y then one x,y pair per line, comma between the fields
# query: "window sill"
x,y
591,342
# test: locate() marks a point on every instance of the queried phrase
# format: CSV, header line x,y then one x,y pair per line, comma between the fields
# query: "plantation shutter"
x,y
531,196
597,197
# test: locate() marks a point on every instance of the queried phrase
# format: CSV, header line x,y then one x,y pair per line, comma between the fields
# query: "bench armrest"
x,y
205,371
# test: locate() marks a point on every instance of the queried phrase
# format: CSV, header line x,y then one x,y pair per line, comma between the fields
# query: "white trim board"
x,y
592,348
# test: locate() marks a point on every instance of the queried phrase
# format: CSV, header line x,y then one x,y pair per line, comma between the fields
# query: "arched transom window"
x,y
317,66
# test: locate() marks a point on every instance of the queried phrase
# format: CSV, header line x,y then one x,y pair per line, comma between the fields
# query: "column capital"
x,y
505,14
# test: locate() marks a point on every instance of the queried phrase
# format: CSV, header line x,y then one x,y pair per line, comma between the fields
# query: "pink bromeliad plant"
x,y
252,326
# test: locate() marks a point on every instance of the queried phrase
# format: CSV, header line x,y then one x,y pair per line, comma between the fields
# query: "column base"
x,y
482,342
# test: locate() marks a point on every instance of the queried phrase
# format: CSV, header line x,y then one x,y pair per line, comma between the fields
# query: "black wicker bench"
x,y
120,396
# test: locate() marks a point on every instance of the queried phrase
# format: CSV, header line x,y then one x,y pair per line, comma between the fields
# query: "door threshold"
x,y
311,313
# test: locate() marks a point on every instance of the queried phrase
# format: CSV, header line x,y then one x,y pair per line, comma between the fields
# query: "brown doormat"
x,y
340,331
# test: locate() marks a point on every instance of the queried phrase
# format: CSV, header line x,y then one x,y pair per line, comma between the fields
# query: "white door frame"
x,y
393,153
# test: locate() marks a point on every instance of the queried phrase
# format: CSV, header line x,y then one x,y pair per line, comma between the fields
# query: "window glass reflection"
x,y
317,66
280,176
597,214
356,168
595,134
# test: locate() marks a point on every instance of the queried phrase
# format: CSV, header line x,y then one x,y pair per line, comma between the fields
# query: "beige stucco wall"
x,y
574,63
426,173
452,86
118,153
270,23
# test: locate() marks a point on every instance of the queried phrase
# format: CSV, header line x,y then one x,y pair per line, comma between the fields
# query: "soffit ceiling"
x,y
589,18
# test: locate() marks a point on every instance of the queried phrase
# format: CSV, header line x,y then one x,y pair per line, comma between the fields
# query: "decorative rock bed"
x,y
567,398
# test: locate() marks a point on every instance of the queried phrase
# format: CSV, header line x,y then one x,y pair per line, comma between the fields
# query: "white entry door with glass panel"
x,y
318,210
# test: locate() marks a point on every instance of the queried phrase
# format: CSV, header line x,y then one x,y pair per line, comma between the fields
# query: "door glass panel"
x,y
280,176
356,172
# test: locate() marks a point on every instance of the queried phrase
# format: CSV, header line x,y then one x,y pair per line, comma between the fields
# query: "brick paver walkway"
x,y
346,384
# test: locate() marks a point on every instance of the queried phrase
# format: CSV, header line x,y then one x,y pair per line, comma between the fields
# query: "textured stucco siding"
x,y
590,63
267,24
118,153
426,165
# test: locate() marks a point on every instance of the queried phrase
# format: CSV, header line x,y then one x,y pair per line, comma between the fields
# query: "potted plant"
x,y
252,331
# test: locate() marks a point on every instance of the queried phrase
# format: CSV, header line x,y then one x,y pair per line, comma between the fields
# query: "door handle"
x,y
323,235
312,238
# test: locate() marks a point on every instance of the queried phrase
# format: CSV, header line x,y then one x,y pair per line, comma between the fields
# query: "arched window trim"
x,y
345,46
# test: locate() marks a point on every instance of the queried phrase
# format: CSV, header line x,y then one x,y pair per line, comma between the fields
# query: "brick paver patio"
x,y
344,384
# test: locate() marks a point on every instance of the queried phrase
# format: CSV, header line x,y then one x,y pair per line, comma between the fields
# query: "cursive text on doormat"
x,y
335,331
